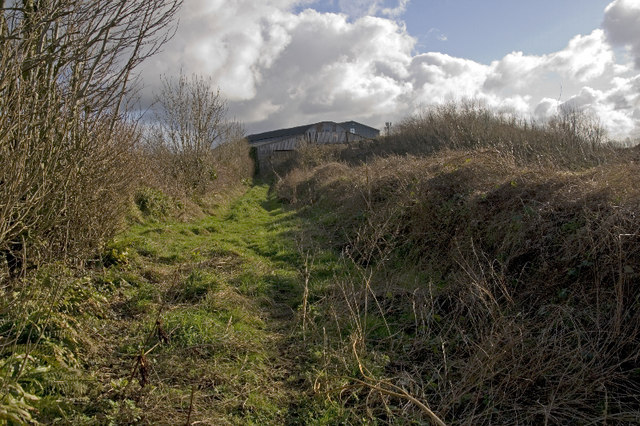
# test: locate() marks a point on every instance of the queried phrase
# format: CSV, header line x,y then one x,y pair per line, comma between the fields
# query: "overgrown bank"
x,y
495,286
76,168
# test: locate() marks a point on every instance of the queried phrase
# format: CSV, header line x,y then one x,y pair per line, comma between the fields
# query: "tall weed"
x,y
493,283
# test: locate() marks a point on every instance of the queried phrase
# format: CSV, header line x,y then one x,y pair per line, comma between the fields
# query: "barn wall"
x,y
264,150
322,133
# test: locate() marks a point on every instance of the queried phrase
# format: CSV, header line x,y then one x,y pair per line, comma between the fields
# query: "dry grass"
x,y
495,285
570,140
228,166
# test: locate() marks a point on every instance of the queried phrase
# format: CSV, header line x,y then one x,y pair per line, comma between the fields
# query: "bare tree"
x,y
66,73
191,122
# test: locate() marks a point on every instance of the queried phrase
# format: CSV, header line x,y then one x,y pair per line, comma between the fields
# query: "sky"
x,y
282,63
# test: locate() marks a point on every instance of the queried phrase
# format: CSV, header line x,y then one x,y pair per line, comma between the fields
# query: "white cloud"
x,y
435,32
396,11
440,78
333,68
281,68
231,41
360,8
622,24
546,108
514,71
585,58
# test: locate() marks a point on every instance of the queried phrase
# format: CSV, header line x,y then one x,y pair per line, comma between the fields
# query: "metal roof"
x,y
301,130
355,123
293,131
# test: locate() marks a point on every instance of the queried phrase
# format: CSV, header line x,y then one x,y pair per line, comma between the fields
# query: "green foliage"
x,y
16,404
116,253
45,331
197,285
195,327
153,203
123,412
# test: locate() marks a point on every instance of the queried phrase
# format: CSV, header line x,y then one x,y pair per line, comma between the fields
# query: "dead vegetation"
x,y
569,141
72,164
489,265
193,148
496,280
67,71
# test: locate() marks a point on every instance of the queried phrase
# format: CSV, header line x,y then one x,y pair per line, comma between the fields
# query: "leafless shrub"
x,y
571,140
66,74
193,146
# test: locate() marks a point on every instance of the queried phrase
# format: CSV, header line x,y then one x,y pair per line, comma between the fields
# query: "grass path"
x,y
215,307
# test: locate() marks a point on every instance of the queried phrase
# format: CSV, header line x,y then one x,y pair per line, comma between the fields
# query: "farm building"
x,y
278,144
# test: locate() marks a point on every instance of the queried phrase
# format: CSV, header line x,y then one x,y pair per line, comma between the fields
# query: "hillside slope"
x,y
496,290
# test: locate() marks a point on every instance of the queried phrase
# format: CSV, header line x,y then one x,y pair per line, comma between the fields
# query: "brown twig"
x,y
193,389
397,391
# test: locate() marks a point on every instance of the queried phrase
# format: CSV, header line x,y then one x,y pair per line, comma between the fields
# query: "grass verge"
x,y
196,321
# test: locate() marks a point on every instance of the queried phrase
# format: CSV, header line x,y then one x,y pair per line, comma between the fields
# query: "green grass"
x,y
218,280
215,307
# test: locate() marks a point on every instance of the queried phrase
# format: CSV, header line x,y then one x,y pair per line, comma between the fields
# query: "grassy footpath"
x,y
204,322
